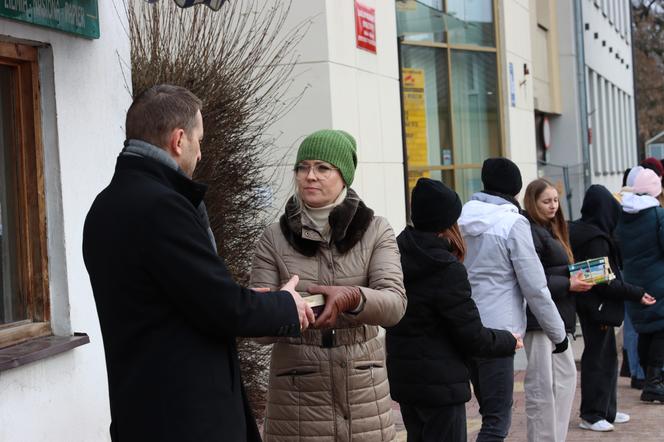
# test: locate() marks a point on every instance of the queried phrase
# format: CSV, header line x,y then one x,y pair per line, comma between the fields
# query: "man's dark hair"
x,y
159,110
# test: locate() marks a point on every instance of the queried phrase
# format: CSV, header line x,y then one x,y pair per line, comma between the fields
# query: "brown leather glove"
x,y
338,299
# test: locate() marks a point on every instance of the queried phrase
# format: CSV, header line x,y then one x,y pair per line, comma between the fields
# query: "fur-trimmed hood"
x,y
348,223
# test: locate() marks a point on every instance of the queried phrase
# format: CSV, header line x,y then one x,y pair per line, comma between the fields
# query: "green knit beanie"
x,y
332,146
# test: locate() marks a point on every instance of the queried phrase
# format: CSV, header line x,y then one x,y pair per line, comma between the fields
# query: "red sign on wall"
x,y
365,27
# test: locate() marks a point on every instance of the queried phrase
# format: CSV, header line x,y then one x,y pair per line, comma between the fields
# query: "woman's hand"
x,y
338,299
577,284
519,341
647,299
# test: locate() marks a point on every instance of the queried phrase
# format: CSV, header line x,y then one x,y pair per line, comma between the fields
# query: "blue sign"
x,y
512,88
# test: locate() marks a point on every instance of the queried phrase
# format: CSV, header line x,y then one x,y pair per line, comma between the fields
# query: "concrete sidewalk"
x,y
646,425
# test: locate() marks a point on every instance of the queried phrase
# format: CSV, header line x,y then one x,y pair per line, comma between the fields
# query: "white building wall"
x,y
350,89
567,136
84,100
610,90
516,48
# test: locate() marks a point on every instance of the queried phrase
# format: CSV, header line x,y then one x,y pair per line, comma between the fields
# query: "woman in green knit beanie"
x,y
330,153
347,258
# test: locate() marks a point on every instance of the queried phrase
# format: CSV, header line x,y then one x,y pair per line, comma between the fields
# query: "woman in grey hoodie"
x,y
504,272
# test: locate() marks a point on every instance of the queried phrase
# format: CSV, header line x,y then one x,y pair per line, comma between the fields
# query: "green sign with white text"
x,y
80,17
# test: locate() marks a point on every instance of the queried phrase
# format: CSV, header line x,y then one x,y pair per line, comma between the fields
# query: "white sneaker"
x,y
621,418
602,425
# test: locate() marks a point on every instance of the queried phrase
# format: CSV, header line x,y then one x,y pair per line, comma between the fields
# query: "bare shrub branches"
x,y
648,23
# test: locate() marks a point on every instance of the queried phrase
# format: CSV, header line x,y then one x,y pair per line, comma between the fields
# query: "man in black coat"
x,y
168,308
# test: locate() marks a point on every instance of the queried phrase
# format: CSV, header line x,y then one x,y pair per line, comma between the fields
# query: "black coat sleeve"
x,y
619,290
459,312
180,258
558,284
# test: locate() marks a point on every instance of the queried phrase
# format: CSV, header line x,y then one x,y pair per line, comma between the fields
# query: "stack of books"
x,y
595,271
316,302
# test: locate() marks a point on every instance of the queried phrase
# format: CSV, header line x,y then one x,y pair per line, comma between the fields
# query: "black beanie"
x,y
434,207
501,175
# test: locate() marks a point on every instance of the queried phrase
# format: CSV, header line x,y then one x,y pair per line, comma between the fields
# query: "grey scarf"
x,y
142,149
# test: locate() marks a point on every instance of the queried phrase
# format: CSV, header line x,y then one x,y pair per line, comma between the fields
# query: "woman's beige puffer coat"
x,y
339,392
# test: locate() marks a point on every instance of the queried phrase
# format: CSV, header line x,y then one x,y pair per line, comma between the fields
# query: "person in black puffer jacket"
x,y
427,350
601,309
550,379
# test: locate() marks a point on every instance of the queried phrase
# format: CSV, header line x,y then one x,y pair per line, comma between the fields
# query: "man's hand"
x,y
338,299
648,299
304,312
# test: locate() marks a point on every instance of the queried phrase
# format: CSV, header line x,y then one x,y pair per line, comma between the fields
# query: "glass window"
x,y
450,89
426,102
24,300
12,308
475,106
468,181
422,20
453,21
471,22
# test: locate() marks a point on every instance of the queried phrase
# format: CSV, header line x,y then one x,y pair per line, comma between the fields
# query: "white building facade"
x,y
547,83
64,97
351,89
610,89
592,133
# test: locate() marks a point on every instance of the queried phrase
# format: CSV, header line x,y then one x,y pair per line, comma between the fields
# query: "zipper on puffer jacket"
x,y
334,399
295,373
371,367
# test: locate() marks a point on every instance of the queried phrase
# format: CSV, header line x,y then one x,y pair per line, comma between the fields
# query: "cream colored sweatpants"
x,y
549,387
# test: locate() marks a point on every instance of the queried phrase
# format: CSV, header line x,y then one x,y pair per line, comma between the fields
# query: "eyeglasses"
x,y
321,170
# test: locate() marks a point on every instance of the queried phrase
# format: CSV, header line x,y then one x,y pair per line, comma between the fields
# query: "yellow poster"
x,y
416,123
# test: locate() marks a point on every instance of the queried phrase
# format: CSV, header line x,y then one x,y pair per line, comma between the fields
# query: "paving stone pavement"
x,y
646,425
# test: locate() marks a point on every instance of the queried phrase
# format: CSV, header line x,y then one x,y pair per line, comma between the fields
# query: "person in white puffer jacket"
x,y
505,273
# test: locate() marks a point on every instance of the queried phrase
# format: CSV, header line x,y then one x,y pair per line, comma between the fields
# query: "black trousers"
x,y
441,424
493,384
599,371
651,349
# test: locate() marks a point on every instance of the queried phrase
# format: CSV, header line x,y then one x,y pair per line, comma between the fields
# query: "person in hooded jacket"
x,y
427,350
631,361
641,234
655,165
504,272
601,309
630,336
550,379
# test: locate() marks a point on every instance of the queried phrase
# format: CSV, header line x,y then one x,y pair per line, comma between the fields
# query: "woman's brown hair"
x,y
453,235
557,225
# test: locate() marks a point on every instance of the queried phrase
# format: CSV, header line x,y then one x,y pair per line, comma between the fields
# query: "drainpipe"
x,y
582,91
634,83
